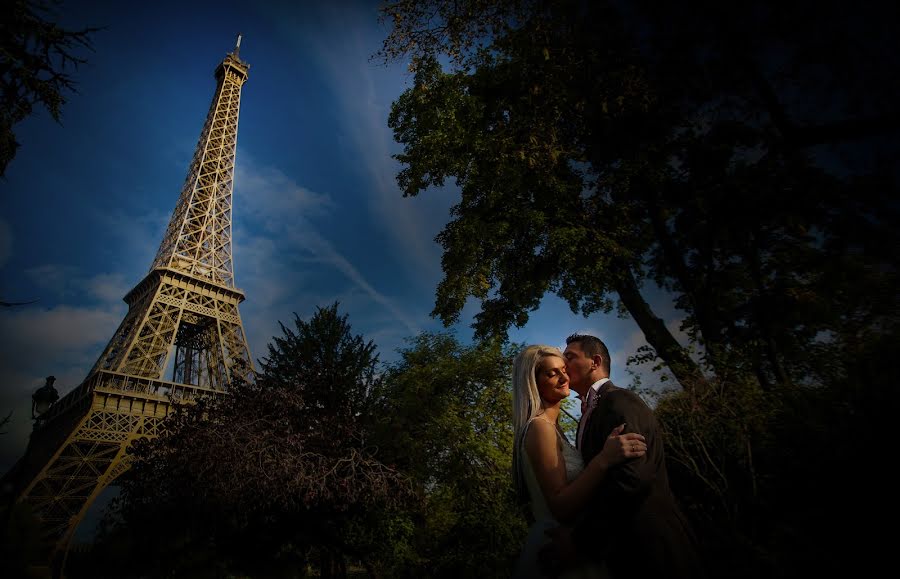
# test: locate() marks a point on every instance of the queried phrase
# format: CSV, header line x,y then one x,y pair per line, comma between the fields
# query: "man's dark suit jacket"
x,y
632,521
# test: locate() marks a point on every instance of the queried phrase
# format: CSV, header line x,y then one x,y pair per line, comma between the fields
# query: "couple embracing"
x,y
602,508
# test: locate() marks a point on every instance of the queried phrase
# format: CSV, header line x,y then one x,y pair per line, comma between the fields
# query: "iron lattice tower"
x,y
183,315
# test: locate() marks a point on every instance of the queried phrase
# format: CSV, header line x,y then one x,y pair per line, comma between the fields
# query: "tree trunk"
x,y
762,311
685,370
698,296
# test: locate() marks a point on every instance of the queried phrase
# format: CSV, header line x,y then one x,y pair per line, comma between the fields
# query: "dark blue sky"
x,y
318,216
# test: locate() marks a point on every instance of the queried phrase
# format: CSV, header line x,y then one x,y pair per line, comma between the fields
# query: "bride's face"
x,y
552,380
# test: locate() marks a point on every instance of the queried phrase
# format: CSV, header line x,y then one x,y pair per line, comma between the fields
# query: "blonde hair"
x,y
526,401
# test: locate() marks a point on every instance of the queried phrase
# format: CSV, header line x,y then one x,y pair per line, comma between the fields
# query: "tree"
x,y
598,146
325,352
443,418
35,55
271,474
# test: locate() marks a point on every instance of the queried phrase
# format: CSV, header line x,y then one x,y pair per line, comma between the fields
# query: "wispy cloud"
x,y
364,90
67,282
133,237
64,331
107,287
276,234
269,196
324,249
77,313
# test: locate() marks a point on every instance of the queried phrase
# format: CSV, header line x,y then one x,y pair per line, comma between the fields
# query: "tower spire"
x,y
237,47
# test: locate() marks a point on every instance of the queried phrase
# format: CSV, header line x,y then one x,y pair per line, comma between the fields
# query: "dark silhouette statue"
x,y
43,398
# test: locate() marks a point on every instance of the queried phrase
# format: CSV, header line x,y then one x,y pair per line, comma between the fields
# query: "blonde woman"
x,y
546,466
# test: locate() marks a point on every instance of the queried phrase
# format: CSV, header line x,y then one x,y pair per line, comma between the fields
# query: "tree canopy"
x,y
602,146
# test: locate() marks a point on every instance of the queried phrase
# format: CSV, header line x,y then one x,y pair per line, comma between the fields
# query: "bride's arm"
x,y
565,499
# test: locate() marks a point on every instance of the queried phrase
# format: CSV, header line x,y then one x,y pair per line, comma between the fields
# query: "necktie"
x,y
588,401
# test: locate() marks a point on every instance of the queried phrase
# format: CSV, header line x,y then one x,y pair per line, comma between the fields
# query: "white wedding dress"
x,y
527,565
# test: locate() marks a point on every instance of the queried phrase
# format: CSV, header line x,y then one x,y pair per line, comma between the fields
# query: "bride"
x,y
546,466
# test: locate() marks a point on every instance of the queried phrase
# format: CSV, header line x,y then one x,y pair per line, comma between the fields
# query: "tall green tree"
x,y
36,57
599,146
443,418
323,351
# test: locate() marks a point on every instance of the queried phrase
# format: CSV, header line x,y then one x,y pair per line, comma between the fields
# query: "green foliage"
x,y
595,147
567,420
325,352
271,476
35,54
443,418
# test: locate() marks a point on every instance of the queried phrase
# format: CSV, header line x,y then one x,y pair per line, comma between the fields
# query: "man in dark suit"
x,y
632,523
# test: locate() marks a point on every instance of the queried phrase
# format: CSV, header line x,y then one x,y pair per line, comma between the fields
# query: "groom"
x,y
631,523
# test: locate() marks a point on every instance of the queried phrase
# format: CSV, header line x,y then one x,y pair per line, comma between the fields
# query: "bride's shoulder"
x,y
540,422
539,429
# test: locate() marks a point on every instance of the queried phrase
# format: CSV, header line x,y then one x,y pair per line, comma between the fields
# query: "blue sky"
x,y
318,216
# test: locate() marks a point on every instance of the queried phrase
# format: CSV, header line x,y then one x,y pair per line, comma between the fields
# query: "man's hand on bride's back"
x,y
621,447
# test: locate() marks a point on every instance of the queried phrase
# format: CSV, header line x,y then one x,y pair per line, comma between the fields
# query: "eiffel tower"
x,y
186,307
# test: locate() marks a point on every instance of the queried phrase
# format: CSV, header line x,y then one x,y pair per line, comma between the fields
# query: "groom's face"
x,y
579,367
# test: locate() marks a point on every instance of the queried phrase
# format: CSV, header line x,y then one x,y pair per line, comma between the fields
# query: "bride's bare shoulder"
x,y
539,432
